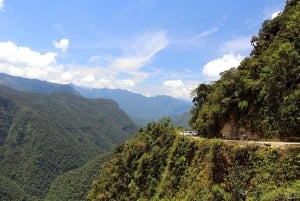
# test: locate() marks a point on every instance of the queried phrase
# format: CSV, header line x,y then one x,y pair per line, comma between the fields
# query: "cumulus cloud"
x,y
213,68
1,5
18,55
63,44
275,14
178,88
23,61
139,51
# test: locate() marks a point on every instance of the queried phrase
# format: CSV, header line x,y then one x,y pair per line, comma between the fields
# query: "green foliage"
x,y
263,93
75,184
159,164
137,165
44,136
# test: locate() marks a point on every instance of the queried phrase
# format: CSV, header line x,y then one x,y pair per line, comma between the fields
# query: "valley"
x,y
67,142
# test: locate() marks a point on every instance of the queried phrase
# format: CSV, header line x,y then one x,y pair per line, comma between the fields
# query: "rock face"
x,y
232,130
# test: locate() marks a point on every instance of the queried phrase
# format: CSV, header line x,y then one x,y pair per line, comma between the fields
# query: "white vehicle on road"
x,y
190,133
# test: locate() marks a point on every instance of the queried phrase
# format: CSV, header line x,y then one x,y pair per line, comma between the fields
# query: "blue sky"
x,y
152,47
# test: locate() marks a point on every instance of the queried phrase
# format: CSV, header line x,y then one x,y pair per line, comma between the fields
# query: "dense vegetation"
x,y
75,184
44,136
262,96
159,164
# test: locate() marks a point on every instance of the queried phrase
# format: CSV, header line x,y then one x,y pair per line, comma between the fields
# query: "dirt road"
x,y
260,143
266,143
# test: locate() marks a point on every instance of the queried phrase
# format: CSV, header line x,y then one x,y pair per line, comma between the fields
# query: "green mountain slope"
x,y
141,109
159,164
34,85
43,136
75,184
262,96
182,120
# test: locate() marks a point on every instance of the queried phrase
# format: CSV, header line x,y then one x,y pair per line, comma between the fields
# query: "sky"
x,y
151,47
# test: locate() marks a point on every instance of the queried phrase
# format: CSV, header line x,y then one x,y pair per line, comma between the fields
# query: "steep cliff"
x,y
159,164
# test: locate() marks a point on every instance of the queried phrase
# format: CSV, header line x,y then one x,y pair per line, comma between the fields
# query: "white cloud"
x,y
177,88
207,32
173,83
1,5
100,71
139,52
272,11
213,68
127,64
275,14
23,56
241,44
88,78
63,44
148,43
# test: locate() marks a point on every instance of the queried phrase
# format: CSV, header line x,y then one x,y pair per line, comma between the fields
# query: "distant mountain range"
x,y
34,85
43,136
140,109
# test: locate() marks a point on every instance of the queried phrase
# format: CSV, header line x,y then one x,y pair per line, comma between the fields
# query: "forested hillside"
x,y
262,96
159,164
43,136
75,184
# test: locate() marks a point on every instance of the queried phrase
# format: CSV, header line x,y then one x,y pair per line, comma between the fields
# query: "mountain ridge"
x,y
34,85
45,135
141,109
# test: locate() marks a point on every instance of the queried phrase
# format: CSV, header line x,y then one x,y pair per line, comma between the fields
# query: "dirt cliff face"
x,y
232,129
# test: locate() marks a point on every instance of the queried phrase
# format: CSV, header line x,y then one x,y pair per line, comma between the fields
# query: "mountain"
x,y
141,109
182,120
260,98
75,184
34,85
44,136
161,164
